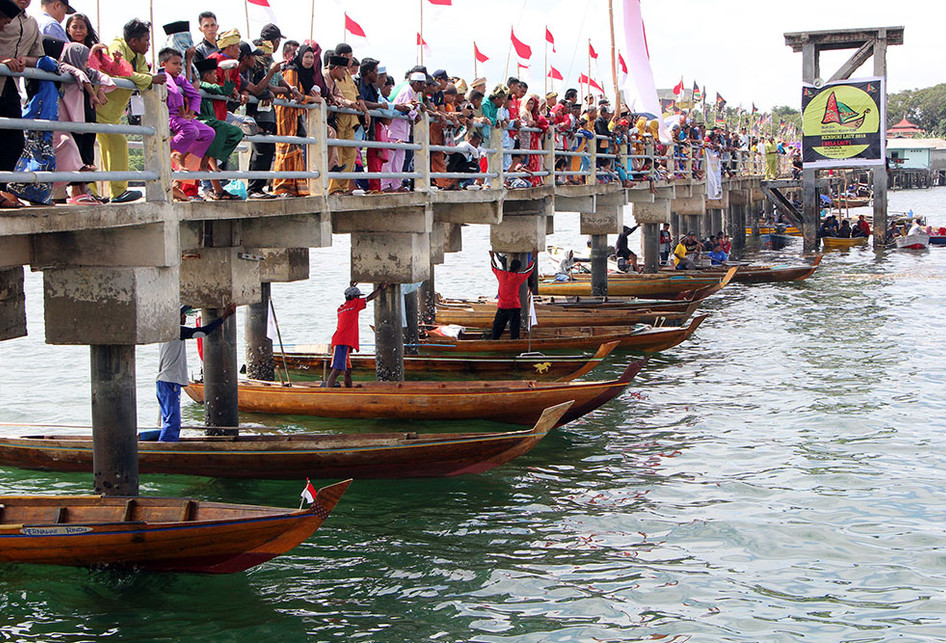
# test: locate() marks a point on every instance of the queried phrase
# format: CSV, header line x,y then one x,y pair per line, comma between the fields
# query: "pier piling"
x,y
389,342
114,420
599,265
259,347
220,376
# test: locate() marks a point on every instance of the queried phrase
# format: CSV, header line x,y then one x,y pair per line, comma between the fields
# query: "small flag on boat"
x,y
309,493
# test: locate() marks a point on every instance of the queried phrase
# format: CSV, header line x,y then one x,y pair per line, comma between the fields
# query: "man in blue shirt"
x,y
50,22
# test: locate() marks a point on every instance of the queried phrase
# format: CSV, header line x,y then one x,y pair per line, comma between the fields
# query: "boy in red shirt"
x,y
345,338
508,308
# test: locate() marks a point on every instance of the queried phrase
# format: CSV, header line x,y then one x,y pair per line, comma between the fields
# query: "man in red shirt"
x,y
508,309
345,338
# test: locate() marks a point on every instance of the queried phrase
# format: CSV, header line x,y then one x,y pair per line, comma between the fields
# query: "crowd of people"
x,y
226,86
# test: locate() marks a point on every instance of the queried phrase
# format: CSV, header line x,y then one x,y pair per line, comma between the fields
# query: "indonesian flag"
x,y
423,43
621,64
480,56
353,27
520,68
442,3
678,88
584,80
523,50
309,493
260,12
549,38
639,88
592,52
555,74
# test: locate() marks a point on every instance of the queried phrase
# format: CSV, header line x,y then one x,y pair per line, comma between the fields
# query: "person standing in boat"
x,y
346,334
172,372
665,240
509,307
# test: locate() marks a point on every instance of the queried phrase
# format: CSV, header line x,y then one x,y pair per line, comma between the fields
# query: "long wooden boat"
x,y
296,456
535,366
557,316
646,340
158,534
510,402
660,285
853,201
842,243
769,274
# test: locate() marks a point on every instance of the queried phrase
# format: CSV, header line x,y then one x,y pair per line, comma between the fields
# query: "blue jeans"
x,y
169,398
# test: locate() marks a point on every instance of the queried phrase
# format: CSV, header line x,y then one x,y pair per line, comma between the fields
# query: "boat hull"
x,y
839,243
518,402
93,531
646,286
555,316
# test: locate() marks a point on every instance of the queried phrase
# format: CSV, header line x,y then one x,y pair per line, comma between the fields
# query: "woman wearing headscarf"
x,y
530,116
304,72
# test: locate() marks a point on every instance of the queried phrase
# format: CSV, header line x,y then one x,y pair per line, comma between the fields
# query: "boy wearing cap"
x,y
346,337
226,136
172,372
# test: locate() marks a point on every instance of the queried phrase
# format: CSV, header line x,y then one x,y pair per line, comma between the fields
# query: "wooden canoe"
x,y
510,402
767,274
157,534
662,284
840,243
296,456
534,366
557,316
646,340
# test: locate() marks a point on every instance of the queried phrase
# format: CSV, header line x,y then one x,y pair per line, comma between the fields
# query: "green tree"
x,y
925,108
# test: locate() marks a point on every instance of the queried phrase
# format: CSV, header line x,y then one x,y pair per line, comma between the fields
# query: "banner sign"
x,y
843,124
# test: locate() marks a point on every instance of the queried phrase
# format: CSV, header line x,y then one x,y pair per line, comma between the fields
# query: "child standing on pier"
x,y
188,135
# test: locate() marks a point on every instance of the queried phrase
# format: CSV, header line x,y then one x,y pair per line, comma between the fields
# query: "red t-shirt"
x,y
509,283
347,332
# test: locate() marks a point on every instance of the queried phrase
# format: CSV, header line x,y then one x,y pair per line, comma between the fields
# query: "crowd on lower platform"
x,y
225,87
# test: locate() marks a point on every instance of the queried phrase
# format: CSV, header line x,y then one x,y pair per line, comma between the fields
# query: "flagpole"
x,y
246,9
421,44
153,47
312,22
476,71
98,16
589,68
614,60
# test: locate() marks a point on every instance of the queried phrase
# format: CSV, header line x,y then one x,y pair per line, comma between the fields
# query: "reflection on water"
x,y
778,477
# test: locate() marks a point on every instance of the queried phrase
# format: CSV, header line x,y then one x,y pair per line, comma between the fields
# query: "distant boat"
x,y
156,534
842,243
915,241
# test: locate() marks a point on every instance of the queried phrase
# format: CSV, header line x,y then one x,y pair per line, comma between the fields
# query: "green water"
x,y
777,478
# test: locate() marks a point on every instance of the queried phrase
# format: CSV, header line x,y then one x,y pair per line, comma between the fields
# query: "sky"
x,y
734,47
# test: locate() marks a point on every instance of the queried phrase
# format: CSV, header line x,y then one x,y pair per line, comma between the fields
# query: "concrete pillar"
x,y
388,340
114,420
739,228
259,347
716,221
12,303
427,299
880,207
220,375
674,225
599,265
811,209
693,224
651,246
411,332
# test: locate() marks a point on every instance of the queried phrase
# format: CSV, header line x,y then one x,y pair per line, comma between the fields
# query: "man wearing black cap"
x,y
172,372
20,46
50,22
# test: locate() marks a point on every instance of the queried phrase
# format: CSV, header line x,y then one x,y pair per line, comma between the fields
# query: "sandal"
x,y
224,196
83,199
9,202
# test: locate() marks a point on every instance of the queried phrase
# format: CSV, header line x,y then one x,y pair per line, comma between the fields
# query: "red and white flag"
x,y
523,50
423,43
640,90
480,56
353,27
309,493
622,64
260,12
592,52
584,80
442,3
678,88
555,74
549,38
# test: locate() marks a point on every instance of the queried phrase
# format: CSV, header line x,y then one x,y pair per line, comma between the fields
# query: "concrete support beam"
x,y
691,205
484,213
607,220
716,221
452,237
282,265
389,342
148,245
518,234
640,196
221,414
599,265
297,231
16,251
95,305
393,257
259,347
215,277
12,304
580,204
415,220
436,243
656,212
114,420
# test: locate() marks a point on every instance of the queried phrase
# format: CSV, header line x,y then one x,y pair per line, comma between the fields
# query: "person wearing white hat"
x,y
346,337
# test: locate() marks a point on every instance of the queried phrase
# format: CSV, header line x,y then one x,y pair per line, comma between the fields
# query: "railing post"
x,y
592,178
549,159
689,164
317,157
494,158
649,153
157,148
422,156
